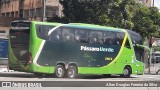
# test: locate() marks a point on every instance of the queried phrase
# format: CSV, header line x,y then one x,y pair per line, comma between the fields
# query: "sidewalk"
x,y
153,70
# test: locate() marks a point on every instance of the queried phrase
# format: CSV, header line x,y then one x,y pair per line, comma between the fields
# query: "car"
x,y
156,57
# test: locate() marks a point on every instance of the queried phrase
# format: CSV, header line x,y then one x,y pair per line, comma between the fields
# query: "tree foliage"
x,y
117,13
146,21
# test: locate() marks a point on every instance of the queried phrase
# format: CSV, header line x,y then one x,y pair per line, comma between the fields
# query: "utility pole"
x,y
149,62
153,4
44,10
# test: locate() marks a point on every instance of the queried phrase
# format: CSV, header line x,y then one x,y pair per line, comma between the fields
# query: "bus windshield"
x,y
136,39
19,40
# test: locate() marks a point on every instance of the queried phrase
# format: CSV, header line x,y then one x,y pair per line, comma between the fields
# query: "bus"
x,y
67,50
4,49
4,43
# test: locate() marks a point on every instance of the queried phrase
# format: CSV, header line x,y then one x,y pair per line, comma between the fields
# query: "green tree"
x,y
155,17
146,21
83,11
117,13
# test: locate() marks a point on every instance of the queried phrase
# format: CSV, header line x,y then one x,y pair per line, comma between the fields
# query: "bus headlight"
x,y
134,61
136,71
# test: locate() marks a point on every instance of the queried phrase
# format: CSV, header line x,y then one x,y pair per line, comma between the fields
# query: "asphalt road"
x,y
83,82
21,76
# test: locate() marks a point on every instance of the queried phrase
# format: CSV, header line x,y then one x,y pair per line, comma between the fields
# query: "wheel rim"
x,y
71,73
126,72
59,71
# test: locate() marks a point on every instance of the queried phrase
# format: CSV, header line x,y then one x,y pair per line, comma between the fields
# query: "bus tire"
x,y
71,71
59,71
126,72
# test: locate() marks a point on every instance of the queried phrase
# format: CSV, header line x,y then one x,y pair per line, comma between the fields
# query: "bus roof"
x,y
76,25
38,22
46,23
133,33
93,27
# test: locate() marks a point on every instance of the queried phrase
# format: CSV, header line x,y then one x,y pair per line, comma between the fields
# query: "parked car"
x,y
156,57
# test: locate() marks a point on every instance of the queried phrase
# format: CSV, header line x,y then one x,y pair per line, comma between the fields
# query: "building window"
x,y
39,12
7,14
3,14
51,11
26,13
16,14
12,14
32,12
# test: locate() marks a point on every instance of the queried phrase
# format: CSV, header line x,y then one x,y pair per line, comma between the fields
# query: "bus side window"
x,y
42,31
110,38
55,35
68,34
96,37
81,36
120,37
127,44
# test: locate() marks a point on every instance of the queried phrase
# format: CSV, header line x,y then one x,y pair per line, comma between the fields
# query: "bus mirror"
x,y
134,45
137,45
134,42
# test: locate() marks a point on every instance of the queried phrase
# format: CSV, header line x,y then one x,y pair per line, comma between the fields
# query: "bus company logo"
x,y
97,49
6,84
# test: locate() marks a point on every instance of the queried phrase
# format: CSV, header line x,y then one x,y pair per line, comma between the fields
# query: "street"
x,y
23,77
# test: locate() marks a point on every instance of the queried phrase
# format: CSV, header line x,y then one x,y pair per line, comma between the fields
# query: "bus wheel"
x,y
72,72
126,72
59,71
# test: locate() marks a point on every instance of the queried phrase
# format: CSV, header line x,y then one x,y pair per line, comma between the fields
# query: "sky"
x,y
157,3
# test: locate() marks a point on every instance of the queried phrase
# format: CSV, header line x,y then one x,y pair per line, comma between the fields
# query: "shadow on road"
x,y
31,75
17,75
98,76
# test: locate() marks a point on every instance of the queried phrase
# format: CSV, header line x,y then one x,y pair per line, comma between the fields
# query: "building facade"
x,y
30,9
33,9
148,3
